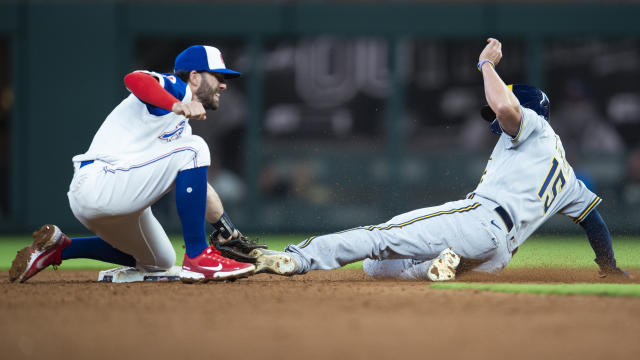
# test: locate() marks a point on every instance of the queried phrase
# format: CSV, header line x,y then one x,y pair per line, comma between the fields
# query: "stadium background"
x,y
348,113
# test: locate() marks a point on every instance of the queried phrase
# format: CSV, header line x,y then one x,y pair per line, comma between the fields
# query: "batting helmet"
x,y
529,97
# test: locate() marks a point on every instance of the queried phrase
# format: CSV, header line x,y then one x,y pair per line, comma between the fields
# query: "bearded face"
x,y
210,89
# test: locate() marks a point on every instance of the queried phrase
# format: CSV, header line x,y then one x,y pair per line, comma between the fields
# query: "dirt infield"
x,y
339,314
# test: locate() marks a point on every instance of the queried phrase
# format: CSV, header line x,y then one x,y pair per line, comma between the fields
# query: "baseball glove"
x,y
237,249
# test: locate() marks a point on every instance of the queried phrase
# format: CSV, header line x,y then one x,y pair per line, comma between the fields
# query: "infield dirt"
x,y
341,314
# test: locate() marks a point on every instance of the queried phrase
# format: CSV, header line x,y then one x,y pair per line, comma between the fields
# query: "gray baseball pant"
x,y
470,227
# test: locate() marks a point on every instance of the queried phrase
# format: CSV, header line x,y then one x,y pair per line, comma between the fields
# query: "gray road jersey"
x,y
529,176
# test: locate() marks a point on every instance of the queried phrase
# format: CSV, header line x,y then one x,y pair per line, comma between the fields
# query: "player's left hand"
x,y
190,110
614,273
608,268
492,51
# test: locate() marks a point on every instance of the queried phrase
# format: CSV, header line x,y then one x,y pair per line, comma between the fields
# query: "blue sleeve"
x,y
599,239
173,85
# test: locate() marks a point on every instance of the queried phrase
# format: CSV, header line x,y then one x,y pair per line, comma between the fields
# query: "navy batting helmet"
x,y
528,96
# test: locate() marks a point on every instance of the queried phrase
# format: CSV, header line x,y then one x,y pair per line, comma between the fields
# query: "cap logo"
x,y
544,98
214,58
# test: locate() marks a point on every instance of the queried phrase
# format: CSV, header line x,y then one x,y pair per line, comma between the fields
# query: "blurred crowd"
x,y
325,103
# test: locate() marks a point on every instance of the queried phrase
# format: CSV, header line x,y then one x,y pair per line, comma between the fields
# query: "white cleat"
x,y
274,262
443,268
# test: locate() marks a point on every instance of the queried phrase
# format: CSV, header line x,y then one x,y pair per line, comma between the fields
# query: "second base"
x,y
129,274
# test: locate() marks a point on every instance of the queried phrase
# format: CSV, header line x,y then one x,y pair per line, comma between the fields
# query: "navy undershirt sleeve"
x,y
599,239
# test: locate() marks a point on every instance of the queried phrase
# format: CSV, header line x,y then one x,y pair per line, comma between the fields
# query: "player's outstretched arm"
x,y
215,215
214,205
226,237
600,240
501,100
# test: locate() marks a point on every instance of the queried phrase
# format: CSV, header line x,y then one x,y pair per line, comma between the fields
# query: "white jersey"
x,y
529,176
135,129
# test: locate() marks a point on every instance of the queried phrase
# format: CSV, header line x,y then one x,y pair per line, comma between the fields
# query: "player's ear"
x,y
195,78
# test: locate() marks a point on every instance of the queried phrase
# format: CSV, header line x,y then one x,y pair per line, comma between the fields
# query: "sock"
x,y
97,249
191,201
599,238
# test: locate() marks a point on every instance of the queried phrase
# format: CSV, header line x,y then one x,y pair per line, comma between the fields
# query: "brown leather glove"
x,y
237,248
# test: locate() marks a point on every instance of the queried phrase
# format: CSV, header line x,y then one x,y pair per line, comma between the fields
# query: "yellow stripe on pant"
x,y
392,226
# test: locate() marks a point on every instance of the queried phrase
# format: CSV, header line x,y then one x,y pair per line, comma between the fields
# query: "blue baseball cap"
x,y
203,58
528,96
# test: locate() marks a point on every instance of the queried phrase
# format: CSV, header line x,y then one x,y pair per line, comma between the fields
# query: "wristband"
x,y
224,226
481,62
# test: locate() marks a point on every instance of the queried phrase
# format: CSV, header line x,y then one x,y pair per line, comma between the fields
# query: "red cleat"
x,y
211,265
48,243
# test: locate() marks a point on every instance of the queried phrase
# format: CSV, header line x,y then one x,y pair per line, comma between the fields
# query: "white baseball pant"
x,y
113,200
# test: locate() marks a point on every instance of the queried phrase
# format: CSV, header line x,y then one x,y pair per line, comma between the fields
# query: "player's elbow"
x,y
131,79
508,112
137,79
509,118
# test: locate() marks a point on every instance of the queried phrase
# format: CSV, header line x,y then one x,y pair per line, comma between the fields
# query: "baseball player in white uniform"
x,y
526,181
144,149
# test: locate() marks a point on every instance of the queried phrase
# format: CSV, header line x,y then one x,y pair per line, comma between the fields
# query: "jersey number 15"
x,y
558,182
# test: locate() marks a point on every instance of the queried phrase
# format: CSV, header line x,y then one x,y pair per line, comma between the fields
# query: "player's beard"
x,y
205,94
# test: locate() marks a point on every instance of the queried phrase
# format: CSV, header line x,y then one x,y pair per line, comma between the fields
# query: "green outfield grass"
x,y
543,251
547,289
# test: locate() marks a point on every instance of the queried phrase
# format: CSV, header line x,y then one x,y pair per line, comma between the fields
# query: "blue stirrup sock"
x,y
191,201
599,238
97,249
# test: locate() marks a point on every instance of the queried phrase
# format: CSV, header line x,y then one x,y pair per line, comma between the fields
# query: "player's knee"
x,y
162,261
370,267
167,260
385,268
202,151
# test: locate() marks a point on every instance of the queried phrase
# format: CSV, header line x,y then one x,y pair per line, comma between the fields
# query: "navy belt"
x,y
85,163
505,217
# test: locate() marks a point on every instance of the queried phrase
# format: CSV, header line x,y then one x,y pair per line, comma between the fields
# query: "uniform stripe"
x,y
588,209
307,242
136,166
452,211
521,126
373,227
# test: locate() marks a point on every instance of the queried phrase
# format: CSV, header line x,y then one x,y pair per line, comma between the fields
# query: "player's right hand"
x,y
493,51
190,110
